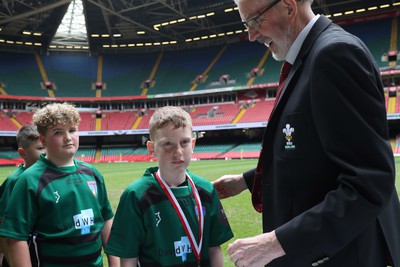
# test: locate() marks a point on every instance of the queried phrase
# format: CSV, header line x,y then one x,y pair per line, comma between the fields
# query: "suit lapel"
x,y
320,25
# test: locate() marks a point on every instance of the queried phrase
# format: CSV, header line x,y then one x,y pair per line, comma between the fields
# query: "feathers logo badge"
x,y
288,131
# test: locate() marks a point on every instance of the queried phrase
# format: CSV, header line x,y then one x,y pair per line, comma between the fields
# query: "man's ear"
x,y
291,7
150,147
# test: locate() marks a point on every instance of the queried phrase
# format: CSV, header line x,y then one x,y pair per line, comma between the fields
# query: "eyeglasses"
x,y
253,23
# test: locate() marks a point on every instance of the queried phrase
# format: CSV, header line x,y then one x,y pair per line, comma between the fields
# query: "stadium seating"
x,y
10,157
242,151
214,114
178,69
124,154
171,72
6,124
118,120
86,154
376,35
124,73
210,151
88,121
24,118
20,74
259,111
144,123
225,113
71,74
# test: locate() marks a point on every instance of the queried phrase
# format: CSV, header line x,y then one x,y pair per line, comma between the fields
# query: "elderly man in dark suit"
x,y
325,180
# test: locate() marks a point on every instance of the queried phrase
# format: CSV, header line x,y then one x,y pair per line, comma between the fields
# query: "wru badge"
x,y
288,130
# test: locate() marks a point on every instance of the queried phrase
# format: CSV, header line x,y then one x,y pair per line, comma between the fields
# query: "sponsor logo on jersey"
x,y
56,195
158,218
84,220
197,212
93,187
182,248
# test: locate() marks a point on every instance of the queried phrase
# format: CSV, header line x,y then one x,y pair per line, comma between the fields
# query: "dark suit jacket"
x,y
328,184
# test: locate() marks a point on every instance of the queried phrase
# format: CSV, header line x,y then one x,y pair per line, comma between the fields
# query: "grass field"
x,y
242,217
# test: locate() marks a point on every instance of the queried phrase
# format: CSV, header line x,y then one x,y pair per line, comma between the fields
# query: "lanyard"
x,y
196,247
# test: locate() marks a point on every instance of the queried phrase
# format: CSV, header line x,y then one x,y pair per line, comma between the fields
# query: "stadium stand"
x,y
145,118
237,60
214,114
112,154
178,69
20,74
116,120
210,151
23,118
125,73
88,121
258,111
124,154
211,114
242,151
168,72
377,37
10,157
86,154
6,124
71,74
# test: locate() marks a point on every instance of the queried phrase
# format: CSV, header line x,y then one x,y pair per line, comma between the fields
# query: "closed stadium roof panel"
x,y
101,26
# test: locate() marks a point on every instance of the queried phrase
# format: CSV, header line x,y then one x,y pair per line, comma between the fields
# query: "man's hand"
x,y
255,251
229,185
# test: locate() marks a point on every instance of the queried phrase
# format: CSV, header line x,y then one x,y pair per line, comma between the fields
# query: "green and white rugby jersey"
x,y
65,206
147,227
7,187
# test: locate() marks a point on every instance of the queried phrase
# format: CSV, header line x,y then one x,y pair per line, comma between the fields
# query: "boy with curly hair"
x,y
60,200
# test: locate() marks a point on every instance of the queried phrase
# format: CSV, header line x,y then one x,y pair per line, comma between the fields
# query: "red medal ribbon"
x,y
172,199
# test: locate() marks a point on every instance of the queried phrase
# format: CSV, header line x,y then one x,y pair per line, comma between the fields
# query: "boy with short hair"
x,y
63,201
29,149
169,217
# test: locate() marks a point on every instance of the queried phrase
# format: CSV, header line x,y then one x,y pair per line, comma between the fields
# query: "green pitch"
x,y
244,220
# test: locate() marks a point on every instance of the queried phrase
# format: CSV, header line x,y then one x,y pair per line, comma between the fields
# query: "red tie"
x,y
286,66
256,192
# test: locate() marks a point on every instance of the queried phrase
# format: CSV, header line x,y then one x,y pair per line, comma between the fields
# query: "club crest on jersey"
x,y
288,131
182,248
93,187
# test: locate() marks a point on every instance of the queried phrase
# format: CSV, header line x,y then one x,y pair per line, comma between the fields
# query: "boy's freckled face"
x,y
173,148
62,141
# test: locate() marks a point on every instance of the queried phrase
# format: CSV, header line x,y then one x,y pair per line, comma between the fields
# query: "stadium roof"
x,y
101,26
